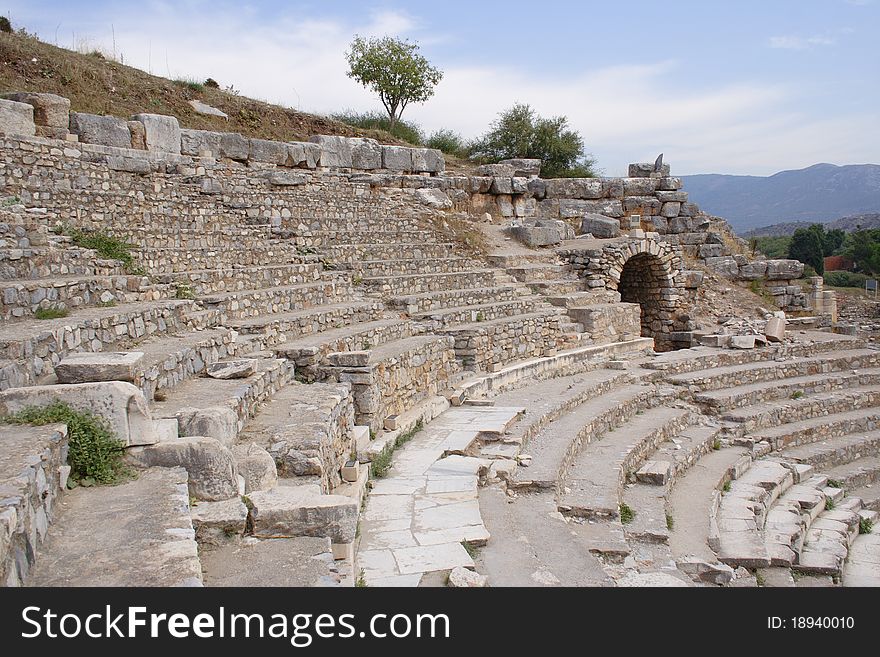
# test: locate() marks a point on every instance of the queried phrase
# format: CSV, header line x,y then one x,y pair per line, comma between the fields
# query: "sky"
x,y
745,87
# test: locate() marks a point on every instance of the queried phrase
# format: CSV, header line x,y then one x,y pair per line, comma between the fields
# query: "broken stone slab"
x,y
600,226
207,110
291,511
524,167
217,523
774,331
465,578
335,151
784,270
162,132
742,342
655,473
304,154
99,366
232,369
366,154
121,404
234,146
265,150
102,130
535,236
257,467
219,422
434,198
726,266
199,143
17,118
648,170
428,160
700,570
210,465
49,110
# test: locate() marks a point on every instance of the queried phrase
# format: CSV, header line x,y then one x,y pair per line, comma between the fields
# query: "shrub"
x,y
448,141
5,25
866,526
95,452
211,83
105,245
844,279
51,313
191,84
403,130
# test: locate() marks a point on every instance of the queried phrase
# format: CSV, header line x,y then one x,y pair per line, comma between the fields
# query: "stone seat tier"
x,y
483,312
243,396
594,482
776,413
371,268
536,271
554,288
857,474
171,260
311,349
862,567
319,238
831,452
426,302
870,496
282,327
556,446
736,397
788,520
819,428
243,304
138,533
228,279
706,358
22,298
349,253
683,450
423,283
31,480
54,260
738,375
580,299
827,541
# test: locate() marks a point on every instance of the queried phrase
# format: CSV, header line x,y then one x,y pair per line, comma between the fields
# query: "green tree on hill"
x,y
806,246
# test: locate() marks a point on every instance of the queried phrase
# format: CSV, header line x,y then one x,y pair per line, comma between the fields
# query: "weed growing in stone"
x,y
470,549
866,526
829,504
95,455
183,291
626,513
361,581
382,463
106,246
51,313
834,483
716,444
759,578
726,487
670,522
797,394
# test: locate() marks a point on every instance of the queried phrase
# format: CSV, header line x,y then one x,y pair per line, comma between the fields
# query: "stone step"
x,y
583,299
685,450
138,533
246,304
608,322
37,346
370,268
736,397
230,403
705,358
423,283
857,474
787,521
349,253
516,259
555,447
168,260
827,542
310,350
536,271
594,483
738,375
815,429
831,452
649,524
870,496
58,258
282,327
33,474
426,303
862,566
775,413
480,312
202,282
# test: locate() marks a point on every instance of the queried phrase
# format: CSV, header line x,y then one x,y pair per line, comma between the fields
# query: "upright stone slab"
x,y
17,118
102,130
271,152
163,132
90,367
600,226
397,158
304,154
366,154
335,151
49,110
428,160
234,146
198,143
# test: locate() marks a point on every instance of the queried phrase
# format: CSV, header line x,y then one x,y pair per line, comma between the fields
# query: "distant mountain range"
x,y
821,193
849,224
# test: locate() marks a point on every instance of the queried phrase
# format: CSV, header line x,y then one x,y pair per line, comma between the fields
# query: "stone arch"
x,y
643,280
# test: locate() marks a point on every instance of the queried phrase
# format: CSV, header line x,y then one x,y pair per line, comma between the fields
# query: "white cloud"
x,y
625,113
791,42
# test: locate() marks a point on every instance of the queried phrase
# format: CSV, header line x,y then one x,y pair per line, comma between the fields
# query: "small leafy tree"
x,y
806,246
521,132
395,70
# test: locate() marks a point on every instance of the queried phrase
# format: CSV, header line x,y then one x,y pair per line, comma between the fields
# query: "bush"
x,y
844,279
105,245
448,141
403,130
95,453
194,85
5,25
211,83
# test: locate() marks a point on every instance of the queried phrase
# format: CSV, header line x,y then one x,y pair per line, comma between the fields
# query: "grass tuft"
x,y
627,515
51,313
382,463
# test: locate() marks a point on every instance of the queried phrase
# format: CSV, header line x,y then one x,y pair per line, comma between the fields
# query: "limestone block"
x,y
496,170
304,154
234,146
647,170
525,167
703,571
271,152
49,110
137,165
501,185
103,130
742,341
397,158
670,184
724,265
575,188
784,270
465,578
121,404
535,236
775,329
753,271
672,196
640,186
577,208
207,110
210,465
290,511
89,367
197,143
428,160
138,135
692,279
163,132
670,209
366,154
51,133
17,118
434,198
219,422
335,151
257,467
285,178
537,188
600,226
216,522
232,369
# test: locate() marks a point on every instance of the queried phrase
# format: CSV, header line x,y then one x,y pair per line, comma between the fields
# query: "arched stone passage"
x,y
643,280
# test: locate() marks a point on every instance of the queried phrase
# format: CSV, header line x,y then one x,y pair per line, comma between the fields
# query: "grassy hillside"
x,y
98,85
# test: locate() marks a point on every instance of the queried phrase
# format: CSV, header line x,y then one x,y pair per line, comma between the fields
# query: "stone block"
x,y
648,170
163,132
257,467
670,209
753,271
102,130
207,110
692,279
199,143
784,270
742,341
271,152
428,160
232,369
397,158
290,511
210,465
434,198
600,226
536,236
525,167
461,577
496,170
366,154
640,186
138,135
90,367
335,151
216,523
120,404
501,185
725,266
219,422
234,146
575,188
17,118
775,329
304,154
49,110
285,178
